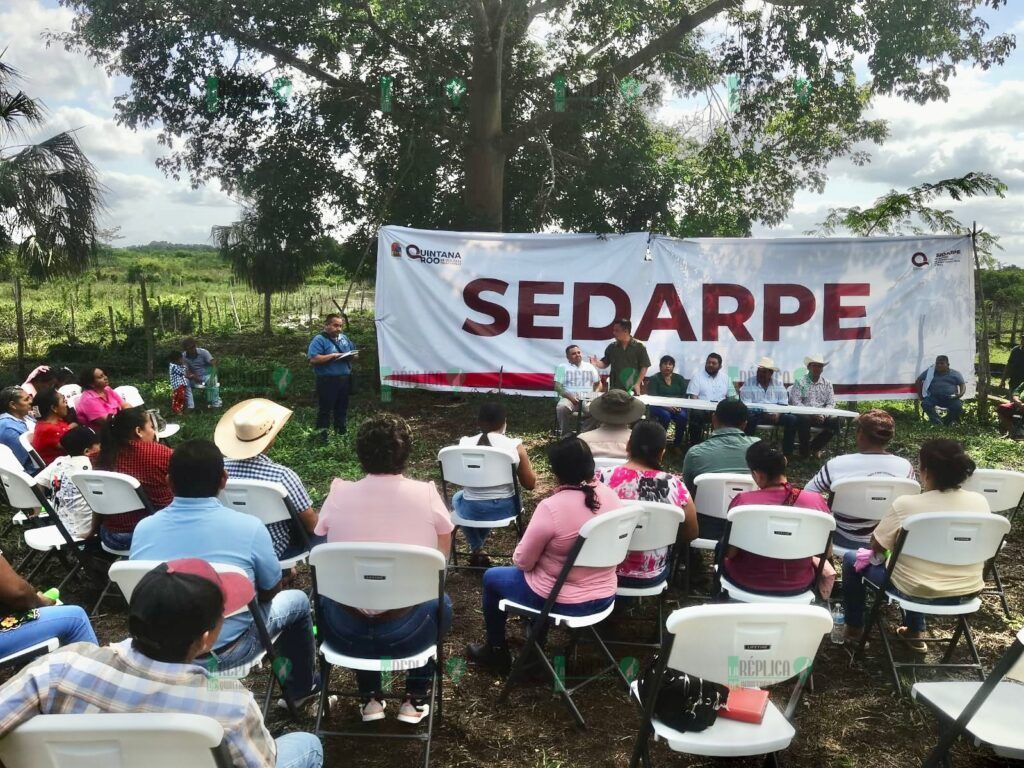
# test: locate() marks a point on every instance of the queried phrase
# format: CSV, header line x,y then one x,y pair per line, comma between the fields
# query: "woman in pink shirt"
x,y
542,553
386,507
98,402
769,575
642,479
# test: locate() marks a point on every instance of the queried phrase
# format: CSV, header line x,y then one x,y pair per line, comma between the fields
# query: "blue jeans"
x,y
68,623
288,614
332,394
509,583
121,541
786,420
403,636
665,417
482,509
299,750
954,407
855,594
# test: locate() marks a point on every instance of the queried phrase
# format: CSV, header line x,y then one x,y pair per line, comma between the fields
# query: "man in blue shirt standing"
x,y
200,370
941,387
331,353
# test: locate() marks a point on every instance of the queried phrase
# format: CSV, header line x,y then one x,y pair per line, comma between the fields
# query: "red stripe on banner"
x,y
875,389
484,379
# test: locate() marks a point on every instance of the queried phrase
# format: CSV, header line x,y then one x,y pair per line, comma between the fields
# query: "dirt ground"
x,y
852,718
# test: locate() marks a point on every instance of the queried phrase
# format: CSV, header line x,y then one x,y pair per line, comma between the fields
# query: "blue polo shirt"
x,y
321,345
206,529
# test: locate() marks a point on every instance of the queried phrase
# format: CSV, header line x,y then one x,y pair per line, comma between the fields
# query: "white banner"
x,y
480,311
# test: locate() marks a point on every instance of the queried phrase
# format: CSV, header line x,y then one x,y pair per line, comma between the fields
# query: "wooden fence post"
x,y
113,333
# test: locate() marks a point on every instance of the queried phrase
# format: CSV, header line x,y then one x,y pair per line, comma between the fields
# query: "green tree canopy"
x,y
477,133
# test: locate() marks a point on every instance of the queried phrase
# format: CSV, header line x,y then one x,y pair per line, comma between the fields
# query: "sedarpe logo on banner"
x,y
425,256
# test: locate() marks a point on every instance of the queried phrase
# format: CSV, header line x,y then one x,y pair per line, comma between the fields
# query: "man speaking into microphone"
x,y
331,353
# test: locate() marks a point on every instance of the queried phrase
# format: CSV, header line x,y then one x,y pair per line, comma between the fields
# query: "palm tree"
x,y
270,249
50,198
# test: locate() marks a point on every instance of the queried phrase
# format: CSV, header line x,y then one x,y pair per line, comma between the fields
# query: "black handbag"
x,y
684,703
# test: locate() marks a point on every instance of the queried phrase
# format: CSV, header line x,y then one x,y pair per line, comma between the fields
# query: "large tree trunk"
x,y
266,312
485,159
19,319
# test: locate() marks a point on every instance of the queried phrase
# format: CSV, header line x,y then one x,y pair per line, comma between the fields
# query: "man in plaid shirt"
x,y
175,615
244,435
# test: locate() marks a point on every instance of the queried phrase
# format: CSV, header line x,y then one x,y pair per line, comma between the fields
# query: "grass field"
x,y
851,719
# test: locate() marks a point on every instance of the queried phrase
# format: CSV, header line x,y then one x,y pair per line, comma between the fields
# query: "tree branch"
x,y
408,51
280,54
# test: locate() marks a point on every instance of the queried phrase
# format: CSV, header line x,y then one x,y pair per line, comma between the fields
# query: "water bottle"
x,y
838,624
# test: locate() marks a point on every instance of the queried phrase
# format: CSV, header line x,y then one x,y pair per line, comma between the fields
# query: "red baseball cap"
x,y
236,588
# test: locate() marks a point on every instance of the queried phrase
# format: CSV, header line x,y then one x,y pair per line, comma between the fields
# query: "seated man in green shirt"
x,y
667,383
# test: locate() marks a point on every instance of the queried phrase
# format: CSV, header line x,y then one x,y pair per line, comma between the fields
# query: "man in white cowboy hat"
x,y
616,411
765,386
244,435
814,390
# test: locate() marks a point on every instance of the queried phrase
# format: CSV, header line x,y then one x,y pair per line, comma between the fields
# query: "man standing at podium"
x,y
330,353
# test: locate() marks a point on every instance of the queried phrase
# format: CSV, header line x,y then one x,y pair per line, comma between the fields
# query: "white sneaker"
x,y
411,712
372,710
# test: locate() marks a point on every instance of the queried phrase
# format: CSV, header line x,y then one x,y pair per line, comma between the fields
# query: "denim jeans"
x,y
665,417
855,594
121,541
288,614
332,394
954,407
299,750
482,509
403,636
68,623
509,583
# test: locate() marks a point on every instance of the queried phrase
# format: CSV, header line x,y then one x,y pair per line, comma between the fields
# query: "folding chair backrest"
x,y
377,576
128,573
137,740
657,527
71,393
25,438
259,498
870,498
785,533
130,395
1002,488
716,490
954,538
607,537
109,493
751,645
603,462
475,466
20,489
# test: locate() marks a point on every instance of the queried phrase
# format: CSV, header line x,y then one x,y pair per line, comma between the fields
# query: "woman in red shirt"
x,y
52,424
130,446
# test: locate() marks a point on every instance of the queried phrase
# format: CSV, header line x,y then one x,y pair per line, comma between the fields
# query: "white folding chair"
x,y
137,740
657,527
1004,491
714,493
24,496
131,395
867,498
71,394
990,712
945,538
603,462
752,646
478,466
25,438
782,533
269,503
127,574
602,542
110,493
20,658
380,577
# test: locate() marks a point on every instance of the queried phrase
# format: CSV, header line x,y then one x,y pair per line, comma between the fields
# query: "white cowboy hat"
x,y
767,362
249,427
815,359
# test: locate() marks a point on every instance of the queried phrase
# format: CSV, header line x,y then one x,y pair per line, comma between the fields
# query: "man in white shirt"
x,y
766,386
575,380
711,384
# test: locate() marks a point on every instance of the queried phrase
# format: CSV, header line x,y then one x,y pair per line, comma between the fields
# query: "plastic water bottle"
x,y
838,624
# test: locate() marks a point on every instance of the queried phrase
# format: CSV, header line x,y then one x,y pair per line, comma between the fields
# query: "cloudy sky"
x,y
981,127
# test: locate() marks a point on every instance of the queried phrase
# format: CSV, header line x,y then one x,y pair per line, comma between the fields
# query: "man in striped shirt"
x,y
175,615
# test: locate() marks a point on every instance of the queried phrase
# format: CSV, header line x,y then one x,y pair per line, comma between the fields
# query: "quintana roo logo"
x,y
425,256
